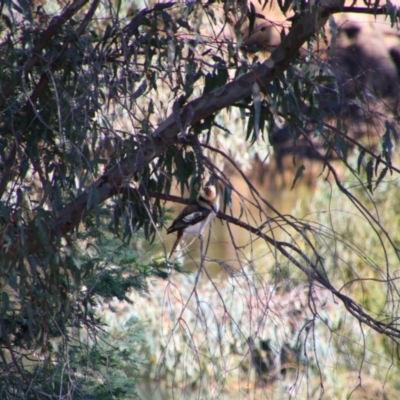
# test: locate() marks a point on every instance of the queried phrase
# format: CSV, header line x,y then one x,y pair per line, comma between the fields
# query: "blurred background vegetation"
x,y
112,113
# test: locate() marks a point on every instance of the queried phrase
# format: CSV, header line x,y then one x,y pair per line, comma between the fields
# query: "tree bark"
x,y
166,134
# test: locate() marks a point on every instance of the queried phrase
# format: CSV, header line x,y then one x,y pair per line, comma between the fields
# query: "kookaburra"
x,y
195,216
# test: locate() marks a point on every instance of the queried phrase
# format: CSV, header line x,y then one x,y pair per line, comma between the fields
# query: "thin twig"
x,y
390,329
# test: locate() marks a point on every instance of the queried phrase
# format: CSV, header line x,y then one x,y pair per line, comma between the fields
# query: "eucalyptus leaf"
x,y
370,172
257,109
299,173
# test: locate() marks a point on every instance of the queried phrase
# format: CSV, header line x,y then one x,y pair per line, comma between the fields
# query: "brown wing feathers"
x,y
193,214
190,215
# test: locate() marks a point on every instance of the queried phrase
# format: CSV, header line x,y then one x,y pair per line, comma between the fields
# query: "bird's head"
x,y
209,195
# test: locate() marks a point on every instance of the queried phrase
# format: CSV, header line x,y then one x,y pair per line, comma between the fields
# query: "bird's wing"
x,y
190,215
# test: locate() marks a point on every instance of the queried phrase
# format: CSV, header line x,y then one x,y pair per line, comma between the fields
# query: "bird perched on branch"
x,y
195,216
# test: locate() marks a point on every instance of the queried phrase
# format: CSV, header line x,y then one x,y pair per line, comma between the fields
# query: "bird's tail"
x,y
175,245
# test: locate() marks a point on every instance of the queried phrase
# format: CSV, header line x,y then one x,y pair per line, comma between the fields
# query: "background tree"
x,y
105,109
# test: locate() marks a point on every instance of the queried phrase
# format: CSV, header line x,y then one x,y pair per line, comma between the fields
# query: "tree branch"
x,y
262,74
364,10
310,269
55,25
53,28
200,108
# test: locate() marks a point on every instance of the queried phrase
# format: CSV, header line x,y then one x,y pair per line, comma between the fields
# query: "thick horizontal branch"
x,y
105,187
241,87
198,109
365,10
167,132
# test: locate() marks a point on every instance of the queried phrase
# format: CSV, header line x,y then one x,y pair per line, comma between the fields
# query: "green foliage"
x,y
58,320
62,84
200,343
87,151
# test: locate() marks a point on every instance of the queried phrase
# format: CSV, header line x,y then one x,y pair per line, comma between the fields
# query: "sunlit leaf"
x,y
360,160
381,176
377,162
257,109
251,14
163,6
140,90
387,144
299,173
5,302
284,5
334,31
370,172
177,116
341,146
227,197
